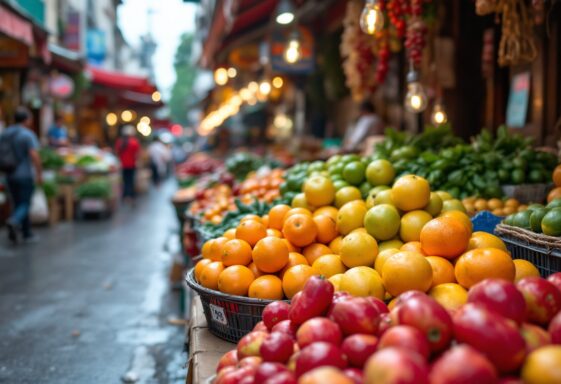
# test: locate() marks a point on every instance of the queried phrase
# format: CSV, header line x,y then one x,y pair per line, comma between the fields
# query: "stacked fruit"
x,y
539,218
505,333
213,203
497,207
263,186
402,242
556,177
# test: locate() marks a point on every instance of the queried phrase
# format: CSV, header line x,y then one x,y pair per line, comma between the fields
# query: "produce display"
x,y
195,166
504,332
539,218
242,163
498,207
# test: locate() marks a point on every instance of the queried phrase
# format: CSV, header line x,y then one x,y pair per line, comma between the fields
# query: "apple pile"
x,y
506,333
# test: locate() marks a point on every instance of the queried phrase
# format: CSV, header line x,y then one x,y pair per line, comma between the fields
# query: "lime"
x,y
333,160
536,218
316,166
345,159
435,204
353,173
365,188
518,176
555,203
338,184
452,205
444,195
535,206
384,197
372,194
382,221
522,219
336,169
509,220
551,222
380,172
346,194
535,176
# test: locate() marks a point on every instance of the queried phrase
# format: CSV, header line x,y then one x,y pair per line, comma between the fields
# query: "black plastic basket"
x,y
228,317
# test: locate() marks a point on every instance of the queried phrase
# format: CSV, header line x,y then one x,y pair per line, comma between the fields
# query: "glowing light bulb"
x,y
265,88
221,76
253,86
439,116
232,72
111,118
372,17
292,52
156,96
126,116
285,12
278,82
416,98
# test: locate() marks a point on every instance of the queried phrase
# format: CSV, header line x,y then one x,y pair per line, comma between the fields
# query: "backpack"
x,y
8,156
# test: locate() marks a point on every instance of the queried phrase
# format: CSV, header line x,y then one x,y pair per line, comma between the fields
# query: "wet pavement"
x,y
91,302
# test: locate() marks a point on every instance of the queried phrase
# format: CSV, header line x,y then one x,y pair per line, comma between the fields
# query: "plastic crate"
x,y
485,221
228,317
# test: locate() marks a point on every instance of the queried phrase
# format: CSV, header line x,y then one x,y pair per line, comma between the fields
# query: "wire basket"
x,y
538,249
228,317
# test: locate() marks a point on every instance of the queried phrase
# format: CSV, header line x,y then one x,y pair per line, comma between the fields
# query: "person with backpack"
x,y
128,149
20,161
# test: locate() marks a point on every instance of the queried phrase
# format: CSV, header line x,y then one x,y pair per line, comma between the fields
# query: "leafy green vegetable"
x,y
100,189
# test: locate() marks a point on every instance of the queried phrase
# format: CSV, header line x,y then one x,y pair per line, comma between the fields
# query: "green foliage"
x,y
97,189
50,188
186,73
50,159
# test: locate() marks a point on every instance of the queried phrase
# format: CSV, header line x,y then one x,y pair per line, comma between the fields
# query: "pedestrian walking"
x,y
128,150
160,157
58,134
19,159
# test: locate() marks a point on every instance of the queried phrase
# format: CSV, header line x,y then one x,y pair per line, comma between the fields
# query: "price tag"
x,y
217,314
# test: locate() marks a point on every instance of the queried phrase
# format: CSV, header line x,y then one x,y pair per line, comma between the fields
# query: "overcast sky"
x,y
170,18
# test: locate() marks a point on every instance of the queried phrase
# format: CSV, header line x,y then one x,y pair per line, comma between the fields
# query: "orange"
x,y
543,366
382,257
335,245
557,176
276,216
327,228
351,216
328,211
300,229
294,211
274,232
444,236
268,287
236,252
555,193
319,191
389,244
294,258
406,271
450,295
235,280
361,230
494,203
464,218
294,279
251,217
411,225
480,205
328,265
265,221
209,275
483,263
524,269
336,281
199,267
251,231
313,251
255,270
270,254
413,246
230,233
291,247
481,239
512,202
362,281
358,249
410,192
205,250
215,252
442,270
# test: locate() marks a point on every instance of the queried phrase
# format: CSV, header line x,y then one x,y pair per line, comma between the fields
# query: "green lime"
x,y
382,221
535,176
380,172
509,220
435,204
336,177
317,166
346,194
518,176
555,203
536,218
338,184
551,222
534,206
522,219
384,197
365,187
345,159
504,175
372,194
353,173
519,163
333,160
283,188
336,169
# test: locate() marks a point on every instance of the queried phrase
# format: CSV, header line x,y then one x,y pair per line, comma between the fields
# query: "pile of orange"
x,y
264,187
555,193
496,206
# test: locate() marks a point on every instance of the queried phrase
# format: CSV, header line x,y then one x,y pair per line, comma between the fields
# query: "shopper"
x,y
58,135
128,149
367,124
160,157
21,144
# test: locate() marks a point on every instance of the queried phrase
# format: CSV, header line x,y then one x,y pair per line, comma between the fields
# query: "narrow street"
x,y
91,303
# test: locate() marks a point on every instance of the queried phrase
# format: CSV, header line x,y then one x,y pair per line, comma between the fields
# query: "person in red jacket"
x,y
128,150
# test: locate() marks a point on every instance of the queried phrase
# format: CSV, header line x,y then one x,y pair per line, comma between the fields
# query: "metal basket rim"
x,y
192,283
553,252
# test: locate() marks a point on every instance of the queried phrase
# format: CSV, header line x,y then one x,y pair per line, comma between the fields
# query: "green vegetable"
x,y
50,159
99,189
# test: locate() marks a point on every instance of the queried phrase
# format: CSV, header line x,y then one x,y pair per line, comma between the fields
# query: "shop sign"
x,y
61,86
279,40
71,38
244,57
517,108
95,46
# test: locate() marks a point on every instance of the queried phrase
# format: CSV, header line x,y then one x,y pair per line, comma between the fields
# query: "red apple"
x,y
428,316
267,370
356,315
260,326
495,336
274,313
236,376
405,336
318,355
385,323
555,329
499,296
224,372
325,375
543,299
555,279
277,347
282,378
534,336
249,344
250,361
358,348
396,366
314,300
247,380
379,304
285,326
318,329
462,364
229,359
337,297
291,365
355,374
510,380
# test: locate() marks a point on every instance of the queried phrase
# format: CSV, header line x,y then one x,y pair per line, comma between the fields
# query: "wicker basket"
x,y
541,250
527,193
228,317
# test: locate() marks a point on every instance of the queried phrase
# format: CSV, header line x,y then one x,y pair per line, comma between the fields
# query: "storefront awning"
x,y
121,81
140,98
15,26
66,60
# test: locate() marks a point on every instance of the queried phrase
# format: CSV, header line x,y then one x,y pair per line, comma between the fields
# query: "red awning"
x,y
121,81
15,26
140,98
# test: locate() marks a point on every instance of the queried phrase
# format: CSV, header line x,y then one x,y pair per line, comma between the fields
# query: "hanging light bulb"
x,y
293,52
285,12
438,115
372,17
416,98
265,87
221,76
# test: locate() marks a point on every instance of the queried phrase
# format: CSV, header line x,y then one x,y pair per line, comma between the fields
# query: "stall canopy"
x,y
121,81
